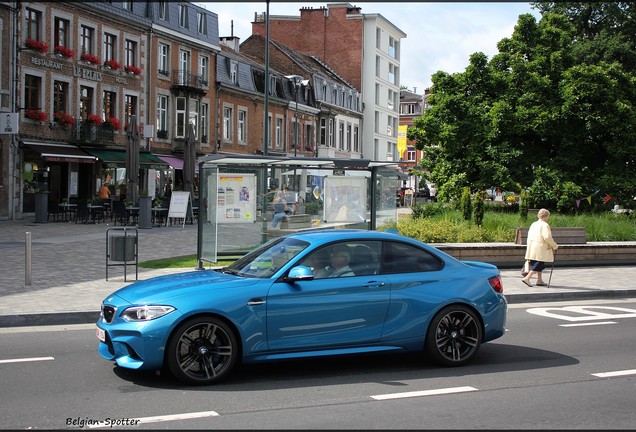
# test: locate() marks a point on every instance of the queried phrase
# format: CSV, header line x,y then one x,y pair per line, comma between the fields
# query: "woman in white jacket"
x,y
540,248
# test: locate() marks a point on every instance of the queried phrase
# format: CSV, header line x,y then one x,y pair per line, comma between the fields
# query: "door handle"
x,y
373,284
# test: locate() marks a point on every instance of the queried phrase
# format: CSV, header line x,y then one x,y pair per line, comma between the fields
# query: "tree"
x,y
557,98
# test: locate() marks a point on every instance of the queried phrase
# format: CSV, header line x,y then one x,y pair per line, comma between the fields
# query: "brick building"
x,y
364,49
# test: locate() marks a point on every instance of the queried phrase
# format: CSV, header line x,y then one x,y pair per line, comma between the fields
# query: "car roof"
x,y
325,235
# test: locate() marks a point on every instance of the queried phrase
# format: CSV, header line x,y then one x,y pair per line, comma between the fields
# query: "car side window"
x,y
404,258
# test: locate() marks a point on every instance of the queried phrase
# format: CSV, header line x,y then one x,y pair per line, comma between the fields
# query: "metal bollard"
x,y
27,259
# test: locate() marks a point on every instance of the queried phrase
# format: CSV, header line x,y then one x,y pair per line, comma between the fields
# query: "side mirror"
x,y
300,273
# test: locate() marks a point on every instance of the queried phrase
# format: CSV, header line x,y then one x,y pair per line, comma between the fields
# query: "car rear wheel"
x,y
454,336
202,351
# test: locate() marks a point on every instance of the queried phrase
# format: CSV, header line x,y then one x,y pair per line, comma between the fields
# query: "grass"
x,y
187,261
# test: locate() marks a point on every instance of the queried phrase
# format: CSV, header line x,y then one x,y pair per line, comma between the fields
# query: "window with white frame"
x,y
323,132
180,117
184,67
204,69
234,72
164,59
204,121
163,10
130,51
242,126
201,25
130,108
109,102
356,139
390,100
392,73
279,132
377,94
183,16
62,31
127,5
378,64
193,116
110,43
162,115
393,45
349,137
61,97
86,101
33,24
87,39
309,136
341,135
410,154
376,125
227,123
331,133
32,92
323,93
378,37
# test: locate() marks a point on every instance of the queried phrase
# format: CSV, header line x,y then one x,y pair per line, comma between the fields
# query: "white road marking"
x,y
615,373
584,313
31,359
157,419
449,390
588,324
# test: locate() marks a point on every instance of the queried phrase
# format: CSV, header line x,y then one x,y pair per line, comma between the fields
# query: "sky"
x,y
439,35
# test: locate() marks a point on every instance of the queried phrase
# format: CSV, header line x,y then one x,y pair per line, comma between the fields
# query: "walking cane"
x,y
551,270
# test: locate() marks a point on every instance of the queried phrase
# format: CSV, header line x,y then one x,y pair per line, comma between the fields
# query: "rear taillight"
x,y
496,283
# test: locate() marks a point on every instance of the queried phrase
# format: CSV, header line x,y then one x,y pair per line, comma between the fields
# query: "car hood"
x,y
163,288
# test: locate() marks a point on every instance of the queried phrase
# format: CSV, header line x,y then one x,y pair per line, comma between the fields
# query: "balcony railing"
x,y
185,78
93,134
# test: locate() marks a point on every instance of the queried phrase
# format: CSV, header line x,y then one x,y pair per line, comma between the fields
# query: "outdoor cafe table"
x,y
69,210
96,211
132,212
159,216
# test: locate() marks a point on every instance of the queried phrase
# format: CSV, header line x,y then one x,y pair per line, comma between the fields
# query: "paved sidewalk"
x,y
69,272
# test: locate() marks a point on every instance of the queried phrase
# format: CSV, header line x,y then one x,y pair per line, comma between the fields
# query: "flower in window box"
x,y
62,51
112,64
37,45
63,119
94,119
112,123
37,115
90,58
133,70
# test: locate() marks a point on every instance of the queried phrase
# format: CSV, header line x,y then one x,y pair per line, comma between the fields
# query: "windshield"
x,y
267,259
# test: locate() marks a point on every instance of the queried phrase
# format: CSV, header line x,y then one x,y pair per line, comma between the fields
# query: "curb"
x,y
90,317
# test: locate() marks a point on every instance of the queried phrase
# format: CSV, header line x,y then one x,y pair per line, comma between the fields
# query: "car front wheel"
x,y
454,336
202,351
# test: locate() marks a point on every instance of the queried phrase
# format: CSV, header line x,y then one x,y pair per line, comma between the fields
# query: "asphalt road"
x,y
540,375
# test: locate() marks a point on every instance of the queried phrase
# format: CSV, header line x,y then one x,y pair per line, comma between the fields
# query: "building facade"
x,y
364,49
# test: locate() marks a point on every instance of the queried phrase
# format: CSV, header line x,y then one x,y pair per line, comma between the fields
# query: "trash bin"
x,y
122,248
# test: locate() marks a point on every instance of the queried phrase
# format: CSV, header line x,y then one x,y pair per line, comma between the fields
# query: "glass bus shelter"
x,y
235,211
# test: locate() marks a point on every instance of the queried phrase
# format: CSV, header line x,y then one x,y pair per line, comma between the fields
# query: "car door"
x,y
327,312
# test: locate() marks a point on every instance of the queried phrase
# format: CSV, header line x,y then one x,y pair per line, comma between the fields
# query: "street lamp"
x,y
297,79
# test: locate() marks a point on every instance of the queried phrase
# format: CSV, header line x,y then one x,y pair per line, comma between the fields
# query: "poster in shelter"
x,y
345,199
236,198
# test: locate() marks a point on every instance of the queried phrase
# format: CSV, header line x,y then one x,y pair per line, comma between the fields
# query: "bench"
x,y
561,235
296,221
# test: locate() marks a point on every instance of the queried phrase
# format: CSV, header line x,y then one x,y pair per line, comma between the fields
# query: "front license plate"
x,y
101,334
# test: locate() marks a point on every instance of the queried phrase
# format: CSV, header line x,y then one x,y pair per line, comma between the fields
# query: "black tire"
x,y
454,336
202,351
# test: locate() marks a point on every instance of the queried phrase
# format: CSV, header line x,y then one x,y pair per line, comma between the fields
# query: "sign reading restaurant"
x,y
79,72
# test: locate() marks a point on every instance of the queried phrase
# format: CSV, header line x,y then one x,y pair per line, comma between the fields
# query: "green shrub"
x,y
478,205
466,204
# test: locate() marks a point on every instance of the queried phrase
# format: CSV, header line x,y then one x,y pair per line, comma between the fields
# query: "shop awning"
x,y
59,152
117,159
174,162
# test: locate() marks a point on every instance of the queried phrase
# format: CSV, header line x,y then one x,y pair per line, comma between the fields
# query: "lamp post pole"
x,y
296,84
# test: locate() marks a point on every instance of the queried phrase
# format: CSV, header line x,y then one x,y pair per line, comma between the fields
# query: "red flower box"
x,y
133,70
37,45
90,58
94,119
37,115
64,52
112,64
63,119
112,123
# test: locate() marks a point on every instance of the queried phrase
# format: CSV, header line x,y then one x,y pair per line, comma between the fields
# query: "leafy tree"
x,y
466,204
553,111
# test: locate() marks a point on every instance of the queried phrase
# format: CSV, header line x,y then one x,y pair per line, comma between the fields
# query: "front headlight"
x,y
145,313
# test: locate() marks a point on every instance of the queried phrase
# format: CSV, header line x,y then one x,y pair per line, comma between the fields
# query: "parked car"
x,y
281,301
